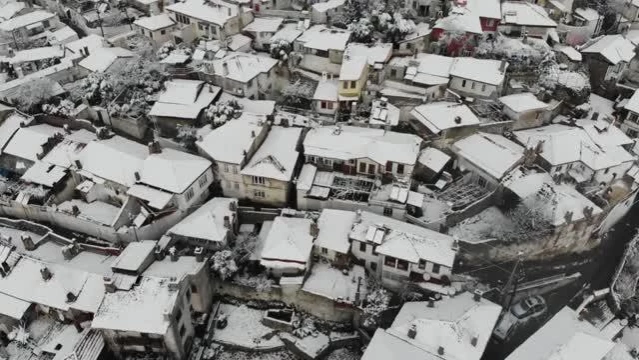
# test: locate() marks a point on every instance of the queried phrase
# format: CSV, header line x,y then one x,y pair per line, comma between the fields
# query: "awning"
x,y
34,25
156,198
348,98
319,192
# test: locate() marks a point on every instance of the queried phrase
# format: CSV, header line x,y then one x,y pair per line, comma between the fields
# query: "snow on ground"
x,y
487,225
243,355
344,354
245,329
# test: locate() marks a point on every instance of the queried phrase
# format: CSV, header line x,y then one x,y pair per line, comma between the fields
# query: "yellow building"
x,y
352,78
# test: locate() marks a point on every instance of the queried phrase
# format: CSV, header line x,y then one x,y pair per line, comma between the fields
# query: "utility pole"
x,y
513,281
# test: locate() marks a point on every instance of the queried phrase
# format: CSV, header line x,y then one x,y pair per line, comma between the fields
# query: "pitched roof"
x,y
207,222
243,67
27,142
492,153
229,142
134,255
320,37
522,102
288,243
212,11
264,24
155,22
482,70
525,14
184,99
277,156
352,68
101,59
26,19
334,227
614,48
444,115
98,158
460,20
172,170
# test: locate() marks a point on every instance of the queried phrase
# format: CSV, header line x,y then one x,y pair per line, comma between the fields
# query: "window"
x,y
409,46
353,84
203,181
182,330
329,105
188,295
189,194
559,168
178,315
323,105
631,133
374,266
400,168
362,247
236,185
472,85
163,32
46,24
345,85
226,168
58,347
483,87
389,261
422,264
374,249
328,162
324,251
402,264
490,22
151,35
371,168
393,73
310,158
259,194
250,83
633,117
606,171
258,180
388,211
463,83
435,269
481,182
234,169
362,167
194,288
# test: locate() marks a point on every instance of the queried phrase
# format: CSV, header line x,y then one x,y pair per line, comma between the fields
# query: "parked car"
x,y
525,309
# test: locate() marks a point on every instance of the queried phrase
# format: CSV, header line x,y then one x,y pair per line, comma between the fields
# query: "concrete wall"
x,y
473,88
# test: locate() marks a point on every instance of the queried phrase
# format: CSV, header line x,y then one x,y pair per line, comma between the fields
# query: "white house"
x,y
268,175
287,247
457,327
230,147
522,17
446,120
243,74
590,152
29,26
524,109
630,124
489,156
262,29
323,48
158,28
324,12
325,98
395,251
607,57
332,241
481,78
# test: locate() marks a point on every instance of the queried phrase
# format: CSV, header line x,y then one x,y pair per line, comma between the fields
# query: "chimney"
x,y
27,242
225,68
232,206
66,129
431,303
227,222
199,254
324,76
46,273
440,350
252,133
358,216
137,176
314,230
173,254
159,253
473,341
86,51
477,295
71,297
78,164
458,119
109,284
412,331
502,66
12,53
154,147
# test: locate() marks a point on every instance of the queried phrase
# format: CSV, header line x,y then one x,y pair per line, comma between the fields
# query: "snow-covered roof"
x,y
444,115
27,142
238,41
211,11
243,67
134,256
35,54
101,59
492,153
288,33
184,99
180,268
430,69
404,240
327,90
9,10
327,5
44,174
69,148
325,280
384,113
25,282
614,48
523,13
378,53
229,142
460,20
97,159
264,24
62,36
13,307
538,191
482,70
352,68
523,102
320,37
564,336
489,9
433,158
91,42
571,53
256,107
207,222
633,36
421,29
25,20
306,177
350,142
633,103
277,156
597,144
155,22
142,309
334,227
587,14
172,170
461,325
288,243
155,198
9,126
